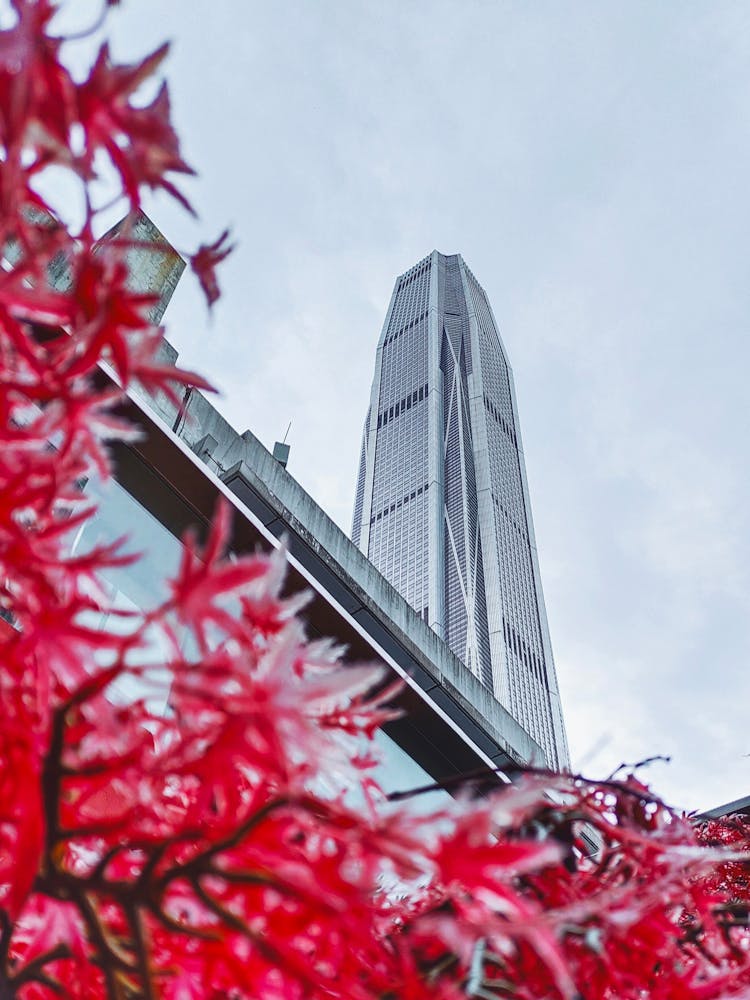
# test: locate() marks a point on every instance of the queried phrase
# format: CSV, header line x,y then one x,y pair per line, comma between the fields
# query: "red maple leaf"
x,y
205,261
140,141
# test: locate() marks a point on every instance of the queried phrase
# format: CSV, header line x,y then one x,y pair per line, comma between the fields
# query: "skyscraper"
x,y
442,503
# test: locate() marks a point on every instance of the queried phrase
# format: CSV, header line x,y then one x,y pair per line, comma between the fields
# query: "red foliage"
x,y
221,848
205,261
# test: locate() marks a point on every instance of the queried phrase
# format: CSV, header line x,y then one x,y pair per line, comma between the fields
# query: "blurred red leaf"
x,y
140,140
205,261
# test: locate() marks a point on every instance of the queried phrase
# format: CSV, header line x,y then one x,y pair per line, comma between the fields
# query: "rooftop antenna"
x,y
281,449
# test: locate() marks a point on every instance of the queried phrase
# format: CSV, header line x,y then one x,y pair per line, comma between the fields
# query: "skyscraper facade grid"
x,y
442,504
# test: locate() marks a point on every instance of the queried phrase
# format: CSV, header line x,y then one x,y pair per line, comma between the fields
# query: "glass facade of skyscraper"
x,y
442,506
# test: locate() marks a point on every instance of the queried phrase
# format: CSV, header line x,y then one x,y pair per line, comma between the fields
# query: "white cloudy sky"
x,y
590,160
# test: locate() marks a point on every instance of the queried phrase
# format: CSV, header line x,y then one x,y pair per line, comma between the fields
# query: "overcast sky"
x,y
590,161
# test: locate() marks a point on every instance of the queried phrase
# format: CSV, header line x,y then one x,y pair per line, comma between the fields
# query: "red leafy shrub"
x,y
211,849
